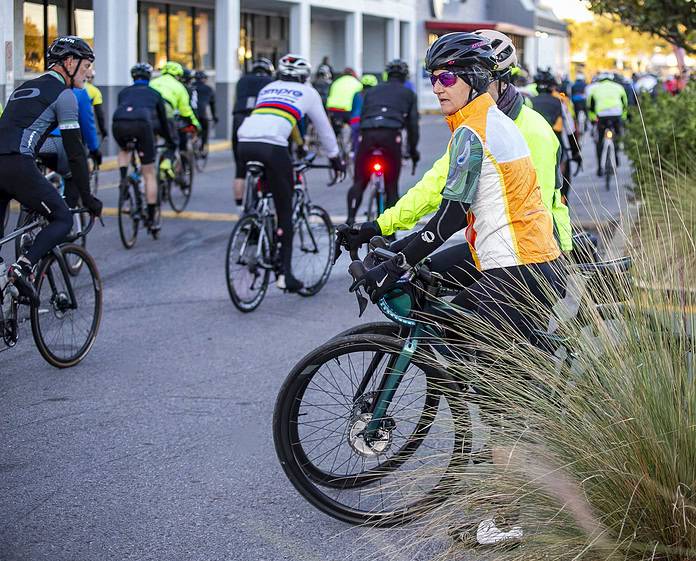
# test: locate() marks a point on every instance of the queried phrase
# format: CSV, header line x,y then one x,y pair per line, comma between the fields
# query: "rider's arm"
x,y
184,106
164,128
99,114
466,155
412,125
559,211
318,116
68,123
213,110
421,199
624,104
86,120
591,107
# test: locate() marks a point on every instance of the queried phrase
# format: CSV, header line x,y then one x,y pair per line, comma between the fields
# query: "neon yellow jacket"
x,y
176,97
425,196
94,93
607,99
342,92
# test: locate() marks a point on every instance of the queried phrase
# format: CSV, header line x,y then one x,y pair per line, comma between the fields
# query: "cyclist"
x,y
248,88
322,82
387,109
607,105
33,110
140,115
177,103
97,100
205,96
554,107
489,189
52,151
368,81
340,99
578,96
264,137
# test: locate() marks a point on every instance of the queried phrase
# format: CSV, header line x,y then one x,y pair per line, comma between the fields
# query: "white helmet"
x,y
294,67
505,52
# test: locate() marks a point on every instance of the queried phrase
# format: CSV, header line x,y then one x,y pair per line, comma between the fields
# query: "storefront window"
x,y
33,37
205,45
170,32
181,36
44,20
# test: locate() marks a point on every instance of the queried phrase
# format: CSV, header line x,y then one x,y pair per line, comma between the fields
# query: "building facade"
x,y
223,36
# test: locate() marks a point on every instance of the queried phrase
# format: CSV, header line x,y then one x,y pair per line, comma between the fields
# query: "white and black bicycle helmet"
x,y
68,46
504,52
294,67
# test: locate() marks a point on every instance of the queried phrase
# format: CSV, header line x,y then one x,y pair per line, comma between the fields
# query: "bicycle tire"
x,y
200,155
128,215
306,234
371,209
609,166
179,192
314,484
52,307
250,228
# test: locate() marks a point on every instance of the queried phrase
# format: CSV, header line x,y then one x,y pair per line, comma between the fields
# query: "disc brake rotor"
x,y
375,446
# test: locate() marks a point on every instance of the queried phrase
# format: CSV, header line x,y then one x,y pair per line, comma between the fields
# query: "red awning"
x,y
449,26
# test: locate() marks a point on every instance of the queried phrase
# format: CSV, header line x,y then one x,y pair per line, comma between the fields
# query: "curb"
x,y
109,164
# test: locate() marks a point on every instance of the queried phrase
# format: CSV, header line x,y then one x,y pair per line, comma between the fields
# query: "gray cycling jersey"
x,y
34,109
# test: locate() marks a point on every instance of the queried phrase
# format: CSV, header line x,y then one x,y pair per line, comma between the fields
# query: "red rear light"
x,y
377,167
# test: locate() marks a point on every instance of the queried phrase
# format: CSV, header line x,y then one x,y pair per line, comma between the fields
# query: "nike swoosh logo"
x,y
380,283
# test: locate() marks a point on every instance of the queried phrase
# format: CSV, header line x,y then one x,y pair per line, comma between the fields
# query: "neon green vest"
x,y
342,91
543,146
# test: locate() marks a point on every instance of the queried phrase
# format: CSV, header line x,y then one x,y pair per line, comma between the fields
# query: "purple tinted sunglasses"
x,y
447,79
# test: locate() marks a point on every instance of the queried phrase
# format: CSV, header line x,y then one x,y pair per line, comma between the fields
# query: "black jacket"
x,y
391,105
247,90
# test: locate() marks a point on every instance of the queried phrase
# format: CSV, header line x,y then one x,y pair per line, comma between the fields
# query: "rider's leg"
x,y
391,142
360,179
23,181
238,162
601,127
146,143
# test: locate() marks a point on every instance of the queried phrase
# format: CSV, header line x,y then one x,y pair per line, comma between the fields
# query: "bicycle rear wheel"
x,y
180,188
65,325
128,215
318,425
200,154
313,249
247,268
609,166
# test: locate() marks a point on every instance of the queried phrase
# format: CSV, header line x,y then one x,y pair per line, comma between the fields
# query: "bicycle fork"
x,y
388,385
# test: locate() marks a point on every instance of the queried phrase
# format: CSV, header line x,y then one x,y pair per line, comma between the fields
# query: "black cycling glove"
x,y
337,164
380,279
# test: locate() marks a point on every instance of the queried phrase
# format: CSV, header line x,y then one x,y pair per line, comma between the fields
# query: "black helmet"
x,y
397,67
545,80
262,64
469,55
68,46
187,76
201,75
141,71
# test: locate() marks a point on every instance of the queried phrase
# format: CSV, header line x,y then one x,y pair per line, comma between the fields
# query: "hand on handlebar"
x,y
353,238
93,205
378,280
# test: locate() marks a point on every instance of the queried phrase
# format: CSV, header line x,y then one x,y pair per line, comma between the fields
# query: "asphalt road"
x,y
158,445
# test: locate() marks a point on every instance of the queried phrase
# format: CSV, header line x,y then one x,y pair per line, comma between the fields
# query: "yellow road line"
x,y
187,215
109,164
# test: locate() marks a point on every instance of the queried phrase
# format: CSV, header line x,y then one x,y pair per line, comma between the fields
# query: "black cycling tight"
x,y
279,178
20,179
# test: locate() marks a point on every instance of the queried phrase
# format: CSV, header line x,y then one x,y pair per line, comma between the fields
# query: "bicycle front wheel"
x,y
319,424
313,249
128,215
247,264
66,323
180,188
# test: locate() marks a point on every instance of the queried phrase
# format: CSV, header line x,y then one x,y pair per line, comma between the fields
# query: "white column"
x,y
7,47
227,24
393,39
115,41
300,29
354,41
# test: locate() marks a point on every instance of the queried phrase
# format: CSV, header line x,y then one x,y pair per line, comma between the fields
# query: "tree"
x,y
672,20
601,40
